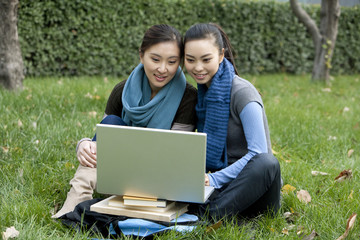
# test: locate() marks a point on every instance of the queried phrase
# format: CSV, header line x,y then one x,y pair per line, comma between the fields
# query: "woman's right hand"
x,y
207,180
86,154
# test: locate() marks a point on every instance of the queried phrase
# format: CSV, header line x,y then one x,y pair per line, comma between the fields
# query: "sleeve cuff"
x,y
81,140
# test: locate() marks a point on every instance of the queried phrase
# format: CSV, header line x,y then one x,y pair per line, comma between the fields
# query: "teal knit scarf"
x,y
141,111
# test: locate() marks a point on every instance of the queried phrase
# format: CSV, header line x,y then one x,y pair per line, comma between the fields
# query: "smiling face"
x,y
161,62
202,59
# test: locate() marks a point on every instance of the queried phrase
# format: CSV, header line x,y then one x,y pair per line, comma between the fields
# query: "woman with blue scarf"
x,y
155,95
230,111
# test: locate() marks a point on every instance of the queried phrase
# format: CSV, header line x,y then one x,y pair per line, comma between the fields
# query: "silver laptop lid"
x,y
151,163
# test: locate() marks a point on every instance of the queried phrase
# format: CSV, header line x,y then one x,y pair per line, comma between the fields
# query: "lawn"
x,y
313,128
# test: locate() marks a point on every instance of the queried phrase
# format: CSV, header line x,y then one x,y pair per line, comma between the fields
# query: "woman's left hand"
x,y
207,181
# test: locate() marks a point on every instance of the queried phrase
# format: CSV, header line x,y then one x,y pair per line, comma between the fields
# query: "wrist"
x,y
80,141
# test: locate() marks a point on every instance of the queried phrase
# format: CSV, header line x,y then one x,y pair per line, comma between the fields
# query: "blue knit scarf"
x,y
142,111
212,110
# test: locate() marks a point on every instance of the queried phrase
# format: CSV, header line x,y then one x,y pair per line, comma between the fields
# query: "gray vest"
x,y
242,93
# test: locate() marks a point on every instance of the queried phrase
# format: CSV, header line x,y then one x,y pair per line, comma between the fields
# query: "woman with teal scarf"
x,y
155,95
230,111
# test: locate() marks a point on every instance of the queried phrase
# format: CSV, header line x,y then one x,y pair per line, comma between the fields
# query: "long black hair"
x,y
212,30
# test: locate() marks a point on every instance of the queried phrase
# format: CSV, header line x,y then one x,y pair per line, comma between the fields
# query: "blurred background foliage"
x,y
94,38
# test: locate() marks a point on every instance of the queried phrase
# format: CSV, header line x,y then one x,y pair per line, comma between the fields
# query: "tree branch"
x,y
305,19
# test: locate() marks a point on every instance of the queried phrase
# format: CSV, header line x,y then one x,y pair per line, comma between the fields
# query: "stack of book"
x,y
138,207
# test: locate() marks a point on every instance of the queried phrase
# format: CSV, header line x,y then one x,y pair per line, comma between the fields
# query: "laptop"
x,y
153,163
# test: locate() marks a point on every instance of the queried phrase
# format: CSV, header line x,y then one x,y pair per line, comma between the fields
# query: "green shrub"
x,y
73,37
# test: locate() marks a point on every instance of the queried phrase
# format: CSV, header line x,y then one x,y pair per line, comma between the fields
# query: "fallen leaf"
x,y
20,124
345,174
10,233
285,231
213,227
349,225
288,188
79,124
346,109
351,195
274,152
60,82
97,97
350,152
326,89
351,221
315,173
300,230
312,235
5,149
92,114
332,138
28,97
303,196
88,95
106,80
290,217
287,214
288,161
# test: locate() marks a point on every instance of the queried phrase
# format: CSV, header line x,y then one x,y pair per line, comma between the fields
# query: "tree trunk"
x,y
11,64
330,13
323,39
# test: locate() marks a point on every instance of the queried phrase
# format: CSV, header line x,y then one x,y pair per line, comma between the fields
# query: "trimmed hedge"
x,y
93,37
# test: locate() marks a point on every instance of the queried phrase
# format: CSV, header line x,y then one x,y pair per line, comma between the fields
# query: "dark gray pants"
x,y
255,190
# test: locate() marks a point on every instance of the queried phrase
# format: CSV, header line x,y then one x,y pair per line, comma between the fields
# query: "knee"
x,y
84,176
267,160
113,119
269,164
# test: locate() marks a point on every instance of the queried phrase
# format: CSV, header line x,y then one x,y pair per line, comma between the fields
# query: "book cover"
x,y
167,216
118,201
139,201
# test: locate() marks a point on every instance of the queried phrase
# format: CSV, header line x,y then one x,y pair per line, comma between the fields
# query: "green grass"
x,y
311,127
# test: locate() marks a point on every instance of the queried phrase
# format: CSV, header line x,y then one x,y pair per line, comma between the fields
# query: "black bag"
x,y
82,219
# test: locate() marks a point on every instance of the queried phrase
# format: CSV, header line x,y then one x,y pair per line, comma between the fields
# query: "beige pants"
x,y
82,188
